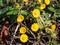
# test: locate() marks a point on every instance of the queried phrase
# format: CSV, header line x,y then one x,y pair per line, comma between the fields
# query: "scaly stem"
x,y
42,20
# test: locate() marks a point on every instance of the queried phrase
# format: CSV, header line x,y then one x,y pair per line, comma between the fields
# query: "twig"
x,y
10,26
30,41
16,29
35,43
44,41
41,43
15,33
16,37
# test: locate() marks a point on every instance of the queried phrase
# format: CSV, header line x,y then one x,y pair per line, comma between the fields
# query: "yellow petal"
x,y
42,6
20,18
53,27
47,2
25,1
24,38
34,27
36,13
40,1
17,5
22,30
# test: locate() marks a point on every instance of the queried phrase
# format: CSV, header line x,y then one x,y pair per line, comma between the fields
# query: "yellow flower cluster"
x,y
20,18
47,2
42,5
22,30
24,38
36,13
34,27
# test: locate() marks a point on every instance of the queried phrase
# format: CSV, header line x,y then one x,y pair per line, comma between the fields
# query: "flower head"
x,y
53,27
17,5
42,6
36,13
47,2
25,1
39,1
23,38
20,18
22,30
34,27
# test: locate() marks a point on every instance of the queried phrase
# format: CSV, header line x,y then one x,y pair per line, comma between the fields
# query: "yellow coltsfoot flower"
x,y
17,5
25,1
20,18
36,13
34,27
47,2
40,1
22,30
24,38
53,27
42,6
